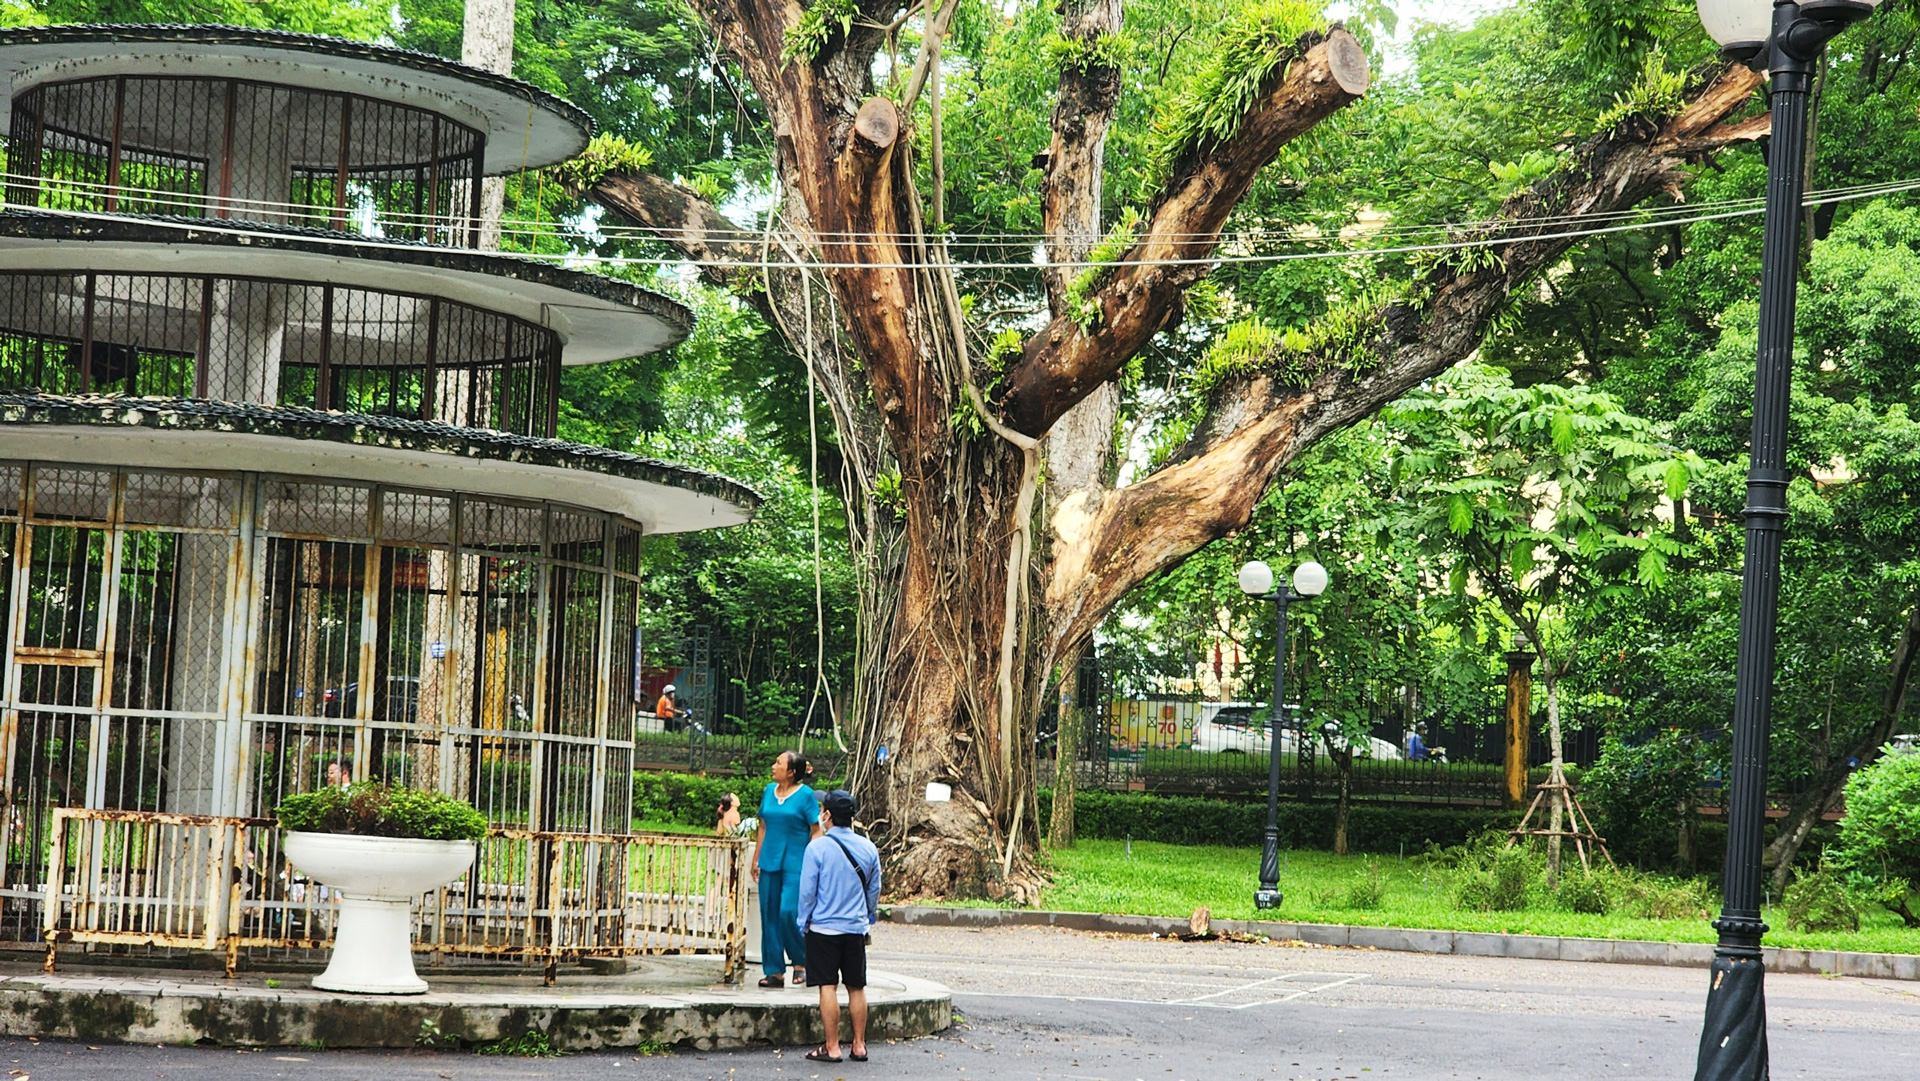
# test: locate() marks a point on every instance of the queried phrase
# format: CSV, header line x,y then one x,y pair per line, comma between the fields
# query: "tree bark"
x,y
1069,734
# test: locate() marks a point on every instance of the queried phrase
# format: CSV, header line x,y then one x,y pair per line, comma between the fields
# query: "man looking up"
x,y
839,903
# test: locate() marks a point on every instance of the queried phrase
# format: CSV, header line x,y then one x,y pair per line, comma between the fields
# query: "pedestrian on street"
x,y
839,904
789,818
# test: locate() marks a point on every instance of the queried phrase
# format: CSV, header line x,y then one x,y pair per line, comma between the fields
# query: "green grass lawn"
x,y
1170,880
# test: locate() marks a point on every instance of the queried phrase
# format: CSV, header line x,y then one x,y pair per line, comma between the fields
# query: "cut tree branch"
x,y
1142,294
1256,423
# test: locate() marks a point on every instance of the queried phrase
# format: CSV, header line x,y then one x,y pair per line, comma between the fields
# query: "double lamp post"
x,y
1785,39
1256,580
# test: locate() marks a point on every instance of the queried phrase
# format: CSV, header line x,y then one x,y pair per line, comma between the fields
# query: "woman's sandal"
x,y
799,976
819,1054
773,981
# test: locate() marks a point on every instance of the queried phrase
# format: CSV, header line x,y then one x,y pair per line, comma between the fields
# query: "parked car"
x,y
1230,728
1375,748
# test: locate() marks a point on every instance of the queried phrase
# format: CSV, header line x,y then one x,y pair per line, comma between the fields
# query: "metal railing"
x,y
194,882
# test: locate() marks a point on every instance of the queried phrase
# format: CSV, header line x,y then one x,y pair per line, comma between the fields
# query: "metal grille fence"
x,y
208,644
126,879
278,342
229,148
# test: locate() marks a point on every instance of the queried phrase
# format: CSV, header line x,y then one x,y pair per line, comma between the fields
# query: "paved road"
x,y
1068,1006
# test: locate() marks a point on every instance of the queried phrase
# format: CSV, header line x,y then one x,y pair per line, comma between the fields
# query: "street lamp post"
x,y
1785,38
1256,580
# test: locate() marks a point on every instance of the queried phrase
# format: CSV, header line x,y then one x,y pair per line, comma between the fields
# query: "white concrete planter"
x,y
378,879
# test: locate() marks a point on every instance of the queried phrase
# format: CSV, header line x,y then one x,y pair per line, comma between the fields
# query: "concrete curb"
x,y
1883,966
147,1007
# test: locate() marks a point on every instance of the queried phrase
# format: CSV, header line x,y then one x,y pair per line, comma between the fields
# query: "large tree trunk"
x,y
1825,791
973,622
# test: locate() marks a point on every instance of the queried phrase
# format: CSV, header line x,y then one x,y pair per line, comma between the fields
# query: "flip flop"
x,y
856,1056
819,1054
773,981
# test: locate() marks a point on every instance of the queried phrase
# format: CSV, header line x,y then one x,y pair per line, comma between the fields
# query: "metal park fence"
x,y
123,881
1182,746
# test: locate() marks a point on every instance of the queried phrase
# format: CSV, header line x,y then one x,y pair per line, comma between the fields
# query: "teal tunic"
x,y
789,828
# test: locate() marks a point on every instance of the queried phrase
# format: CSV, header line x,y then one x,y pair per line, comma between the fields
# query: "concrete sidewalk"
x,y
671,1001
1882,966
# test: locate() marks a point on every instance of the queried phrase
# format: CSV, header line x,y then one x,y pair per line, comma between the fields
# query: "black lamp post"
x,y
1256,580
1784,38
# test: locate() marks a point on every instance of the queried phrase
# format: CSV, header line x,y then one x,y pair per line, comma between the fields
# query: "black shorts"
x,y
836,959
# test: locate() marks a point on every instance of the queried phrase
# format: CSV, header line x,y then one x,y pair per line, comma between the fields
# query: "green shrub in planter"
x,y
372,809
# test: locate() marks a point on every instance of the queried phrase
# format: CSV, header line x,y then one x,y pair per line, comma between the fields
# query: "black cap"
x,y
840,802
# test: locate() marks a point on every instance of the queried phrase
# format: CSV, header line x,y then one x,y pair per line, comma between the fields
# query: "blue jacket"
x,y
831,899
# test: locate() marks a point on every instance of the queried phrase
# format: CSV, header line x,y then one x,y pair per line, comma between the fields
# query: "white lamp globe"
x,y
1256,579
1730,21
1309,579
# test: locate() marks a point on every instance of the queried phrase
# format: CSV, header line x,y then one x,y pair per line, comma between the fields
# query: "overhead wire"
x,y
1515,231
1294,233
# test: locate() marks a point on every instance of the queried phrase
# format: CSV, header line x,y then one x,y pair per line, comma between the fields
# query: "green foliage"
x,y
1002,351
372,809
1518,176
1819,900
770,709
533,1043
819,24
1585,891
1111,51
1368,890
1250,53
1340,337
1081,295
606,153
1879,846
689,799
1657,97
1186,820
886,493
1497,878
1636,794
1655,898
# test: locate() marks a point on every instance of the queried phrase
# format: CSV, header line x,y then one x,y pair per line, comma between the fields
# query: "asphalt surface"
x,y
1040,1003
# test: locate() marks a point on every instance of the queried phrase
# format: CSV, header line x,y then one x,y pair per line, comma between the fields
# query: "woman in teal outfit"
x,y
789,818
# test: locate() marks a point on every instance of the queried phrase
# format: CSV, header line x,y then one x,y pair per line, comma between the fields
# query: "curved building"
x,y
279,487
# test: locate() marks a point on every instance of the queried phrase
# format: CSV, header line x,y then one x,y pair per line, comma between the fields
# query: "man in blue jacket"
x,y
839,903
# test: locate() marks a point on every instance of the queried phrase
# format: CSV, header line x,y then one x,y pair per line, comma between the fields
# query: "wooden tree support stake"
x,y
1575,824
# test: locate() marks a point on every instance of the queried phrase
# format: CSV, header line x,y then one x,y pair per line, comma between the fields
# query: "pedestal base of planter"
x,y
372,950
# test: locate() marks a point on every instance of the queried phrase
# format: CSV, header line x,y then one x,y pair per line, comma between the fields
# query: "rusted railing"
x,y
138,879
134,878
